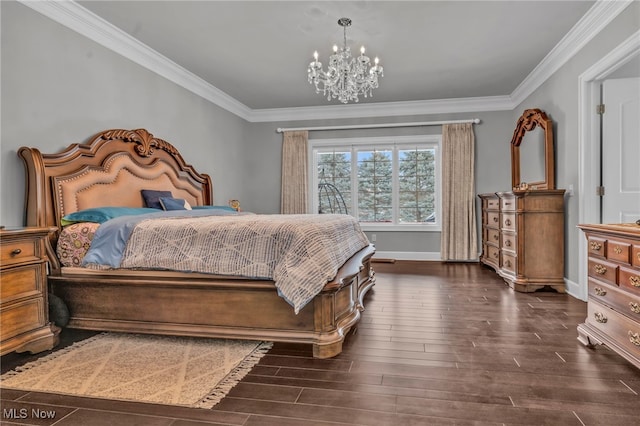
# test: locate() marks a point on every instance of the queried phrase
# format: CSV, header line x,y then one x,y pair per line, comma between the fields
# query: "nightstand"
x,y
24,310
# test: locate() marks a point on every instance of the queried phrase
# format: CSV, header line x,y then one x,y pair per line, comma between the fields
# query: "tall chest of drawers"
x,y
24,311
523,238
613,306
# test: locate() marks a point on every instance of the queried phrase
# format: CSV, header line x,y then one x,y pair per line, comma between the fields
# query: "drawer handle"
x,y
496,237
600,269
495,219
507,222
600,291
617,249
495,254
599,316
507,243
635,308
16,252
635,280
634,338
595,246
508,263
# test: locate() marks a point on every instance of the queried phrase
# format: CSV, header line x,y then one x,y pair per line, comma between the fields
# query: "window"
x,y
387,183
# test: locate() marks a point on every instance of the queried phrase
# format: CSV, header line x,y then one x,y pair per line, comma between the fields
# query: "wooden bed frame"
x,y
111,169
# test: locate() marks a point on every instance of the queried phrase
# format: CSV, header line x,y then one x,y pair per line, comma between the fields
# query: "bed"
x,y
112,169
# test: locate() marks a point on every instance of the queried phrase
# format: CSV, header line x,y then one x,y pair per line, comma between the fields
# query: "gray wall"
x,y
493,164
558,97
60,88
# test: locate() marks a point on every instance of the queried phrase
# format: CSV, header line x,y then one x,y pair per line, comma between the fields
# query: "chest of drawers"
x,y
24,311
523,238
613,303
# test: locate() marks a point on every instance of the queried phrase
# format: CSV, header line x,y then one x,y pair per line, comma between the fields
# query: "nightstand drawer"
x,y
21,317
22,281
19,251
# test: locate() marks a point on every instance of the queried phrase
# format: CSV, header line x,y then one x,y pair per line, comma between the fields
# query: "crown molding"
x,y
90,25
383,109
81,20
596,18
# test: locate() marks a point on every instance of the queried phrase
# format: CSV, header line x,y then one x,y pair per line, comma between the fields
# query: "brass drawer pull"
x,y
507,243
600,269
600,291
634,338
507,222
635,308
508,263
495,219
599,316
595,246
16,252
617,249
496,237
635,280
495,254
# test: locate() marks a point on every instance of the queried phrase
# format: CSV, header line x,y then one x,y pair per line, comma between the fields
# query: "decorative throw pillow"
x,y
152,197
169,203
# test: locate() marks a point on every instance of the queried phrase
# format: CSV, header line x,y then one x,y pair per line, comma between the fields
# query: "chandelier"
x,y
346,77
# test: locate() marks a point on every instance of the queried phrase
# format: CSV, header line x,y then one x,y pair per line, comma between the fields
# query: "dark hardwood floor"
x,y
439,344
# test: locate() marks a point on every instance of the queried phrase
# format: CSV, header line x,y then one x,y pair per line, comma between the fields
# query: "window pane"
x,y
416,181
375,185
334,182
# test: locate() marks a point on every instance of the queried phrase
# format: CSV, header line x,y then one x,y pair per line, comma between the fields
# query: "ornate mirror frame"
x,y
529,120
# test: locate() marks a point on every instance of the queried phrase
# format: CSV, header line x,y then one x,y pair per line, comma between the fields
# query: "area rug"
x,y
193,372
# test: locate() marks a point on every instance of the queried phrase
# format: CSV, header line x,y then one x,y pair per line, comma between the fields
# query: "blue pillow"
x,y
152,197
103,214
169,203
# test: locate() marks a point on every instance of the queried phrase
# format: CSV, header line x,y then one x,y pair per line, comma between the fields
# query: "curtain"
x,y
459,239
294,190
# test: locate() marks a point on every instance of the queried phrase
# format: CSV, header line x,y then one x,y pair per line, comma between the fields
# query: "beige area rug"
x,y
193,372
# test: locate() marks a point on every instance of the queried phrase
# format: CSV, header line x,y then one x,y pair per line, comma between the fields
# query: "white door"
x,y
621,150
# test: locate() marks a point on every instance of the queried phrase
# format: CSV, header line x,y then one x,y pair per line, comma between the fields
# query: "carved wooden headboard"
x,y
109,170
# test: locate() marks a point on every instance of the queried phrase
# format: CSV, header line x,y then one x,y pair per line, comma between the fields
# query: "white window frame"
x,y
384,142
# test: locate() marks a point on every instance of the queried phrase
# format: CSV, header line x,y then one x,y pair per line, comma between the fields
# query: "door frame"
x,y
589,143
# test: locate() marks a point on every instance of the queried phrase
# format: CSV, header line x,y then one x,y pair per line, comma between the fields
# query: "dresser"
x,y
24,311
523,238
613,305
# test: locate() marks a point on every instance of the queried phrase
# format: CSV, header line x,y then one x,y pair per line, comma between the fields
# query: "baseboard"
x,y
574,289
389,256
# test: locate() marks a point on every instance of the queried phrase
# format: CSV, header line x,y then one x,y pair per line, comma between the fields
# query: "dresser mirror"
x,y
532,156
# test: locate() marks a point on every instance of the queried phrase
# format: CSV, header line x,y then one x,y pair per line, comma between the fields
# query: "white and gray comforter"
x,y
300,253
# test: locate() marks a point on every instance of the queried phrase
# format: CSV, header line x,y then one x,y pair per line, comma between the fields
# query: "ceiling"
x,y
257,52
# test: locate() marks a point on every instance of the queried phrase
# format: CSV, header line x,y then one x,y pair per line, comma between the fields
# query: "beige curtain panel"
x,y
459,240
294,190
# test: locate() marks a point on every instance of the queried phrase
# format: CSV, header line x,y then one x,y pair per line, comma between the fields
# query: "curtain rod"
x,y
375,126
